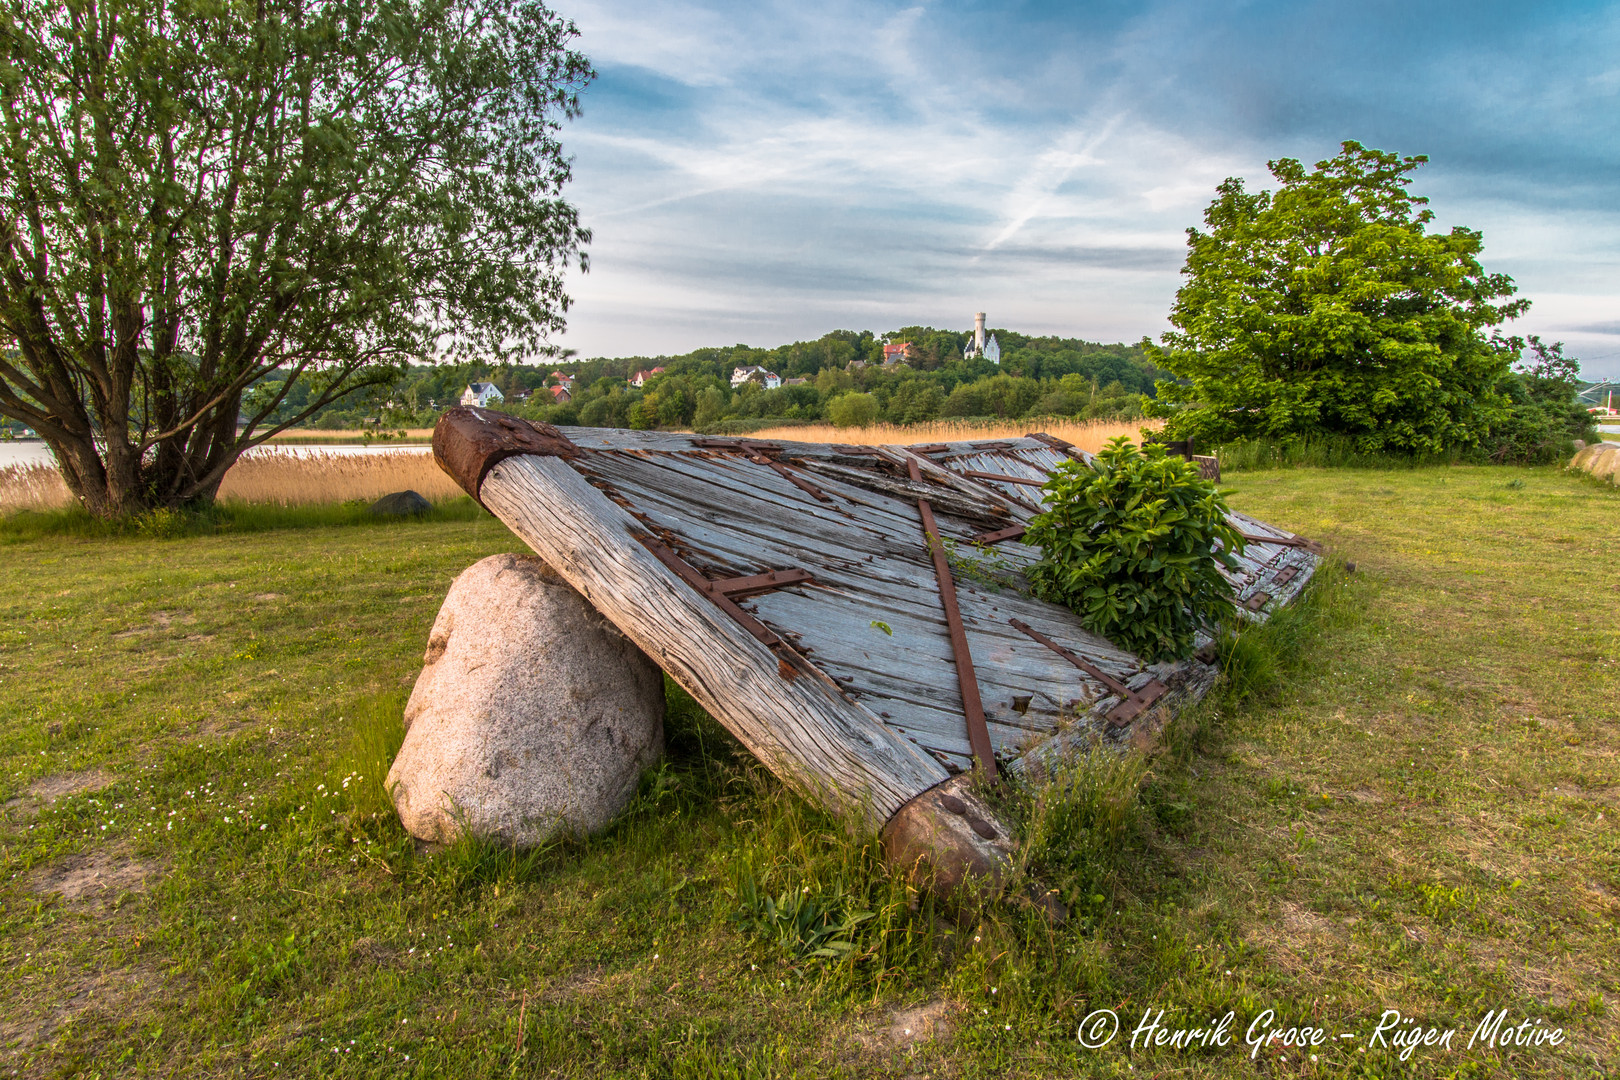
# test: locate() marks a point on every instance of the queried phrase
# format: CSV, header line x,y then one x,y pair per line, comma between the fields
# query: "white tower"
x,y
978,333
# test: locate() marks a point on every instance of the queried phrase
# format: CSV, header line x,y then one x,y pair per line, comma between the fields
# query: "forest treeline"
x,y
1037,376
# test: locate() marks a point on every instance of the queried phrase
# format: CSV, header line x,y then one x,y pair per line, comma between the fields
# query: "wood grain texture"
x,y
833,750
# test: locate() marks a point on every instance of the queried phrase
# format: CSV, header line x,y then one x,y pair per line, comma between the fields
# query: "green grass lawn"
x,y
201,876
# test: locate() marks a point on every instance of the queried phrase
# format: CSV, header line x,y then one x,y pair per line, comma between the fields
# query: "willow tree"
x,y
206,202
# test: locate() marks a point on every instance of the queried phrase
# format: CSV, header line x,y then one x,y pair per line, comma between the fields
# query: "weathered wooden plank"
x,y
835,751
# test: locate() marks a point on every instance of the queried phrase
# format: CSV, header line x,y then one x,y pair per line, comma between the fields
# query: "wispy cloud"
x,y
763,172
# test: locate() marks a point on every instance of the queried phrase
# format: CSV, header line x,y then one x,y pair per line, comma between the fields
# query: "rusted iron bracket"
x,y
984,760
1257,601
758,453
1132,702
742,587
724,590
1285,575
1012,532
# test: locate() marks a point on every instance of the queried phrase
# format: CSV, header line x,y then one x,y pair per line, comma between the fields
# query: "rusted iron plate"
x,y
1285,575
1132,701
984,760
1257,601
468,442
693,577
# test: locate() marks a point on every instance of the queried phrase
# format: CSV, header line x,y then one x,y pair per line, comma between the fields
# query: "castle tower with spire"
x,y
982,346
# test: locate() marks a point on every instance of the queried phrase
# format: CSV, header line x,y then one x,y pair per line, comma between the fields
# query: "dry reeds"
x,y
277,477
294,479
1088,435
32,486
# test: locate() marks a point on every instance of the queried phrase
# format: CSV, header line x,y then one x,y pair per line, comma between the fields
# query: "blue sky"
x,y
767,172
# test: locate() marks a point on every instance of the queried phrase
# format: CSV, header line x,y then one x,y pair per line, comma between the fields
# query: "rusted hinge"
x,y
984,761
1132,702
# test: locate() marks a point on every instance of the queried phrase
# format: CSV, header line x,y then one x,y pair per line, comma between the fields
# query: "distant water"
x,y
34,452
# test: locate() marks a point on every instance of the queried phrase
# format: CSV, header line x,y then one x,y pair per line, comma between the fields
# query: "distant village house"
x,y
480,394
562,394
640,378
770,379
896,352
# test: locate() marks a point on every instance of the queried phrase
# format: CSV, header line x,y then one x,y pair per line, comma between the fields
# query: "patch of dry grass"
x,y
1088,435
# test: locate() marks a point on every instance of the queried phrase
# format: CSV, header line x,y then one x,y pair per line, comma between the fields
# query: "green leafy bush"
x,y
1129,544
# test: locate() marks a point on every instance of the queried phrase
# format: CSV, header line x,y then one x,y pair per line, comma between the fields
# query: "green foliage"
x,y
802,924
1077,818
1545,416
853,410
1325,308
229,214
1130,545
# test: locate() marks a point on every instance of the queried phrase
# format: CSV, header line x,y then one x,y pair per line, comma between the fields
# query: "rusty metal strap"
x,y
1291,540
755,584
1012,532
984,760
1132,702
1001,478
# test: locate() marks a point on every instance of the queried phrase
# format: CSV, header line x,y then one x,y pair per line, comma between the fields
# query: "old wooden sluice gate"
x,y
834,606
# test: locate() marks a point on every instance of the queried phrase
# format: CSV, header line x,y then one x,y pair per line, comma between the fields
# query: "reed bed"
x,y
303,479
32,487
316,477
312,437
1088,435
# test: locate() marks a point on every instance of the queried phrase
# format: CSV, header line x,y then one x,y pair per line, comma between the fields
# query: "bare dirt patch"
x,y
908,1027
59,785
112,993
161,620
100,876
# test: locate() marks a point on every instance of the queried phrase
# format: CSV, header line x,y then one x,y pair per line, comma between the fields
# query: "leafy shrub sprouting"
x,y
1130,545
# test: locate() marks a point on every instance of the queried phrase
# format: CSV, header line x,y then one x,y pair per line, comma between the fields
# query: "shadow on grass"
x,y
223,518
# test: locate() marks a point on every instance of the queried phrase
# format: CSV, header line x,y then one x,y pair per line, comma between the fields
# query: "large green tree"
x,y
1327,307
197,194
